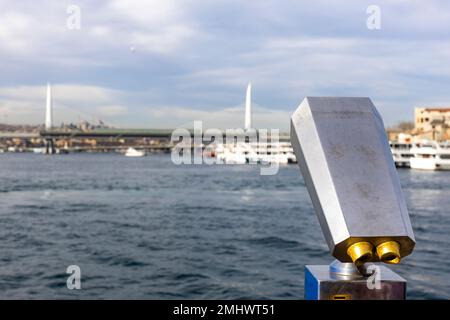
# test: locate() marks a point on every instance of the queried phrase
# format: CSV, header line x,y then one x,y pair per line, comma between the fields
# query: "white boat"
x,y
131,152
38,150
255,153
252,152
273,152
401,152
430,156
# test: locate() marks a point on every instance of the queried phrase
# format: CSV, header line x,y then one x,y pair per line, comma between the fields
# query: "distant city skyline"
x,y
168,63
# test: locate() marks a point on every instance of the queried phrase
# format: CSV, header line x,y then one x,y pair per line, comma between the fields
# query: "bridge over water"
x,y
133,133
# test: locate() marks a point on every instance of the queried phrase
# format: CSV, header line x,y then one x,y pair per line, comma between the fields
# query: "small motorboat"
x,y
131,152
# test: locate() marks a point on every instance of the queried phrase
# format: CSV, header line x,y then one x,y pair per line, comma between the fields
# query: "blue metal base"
x,y
321,284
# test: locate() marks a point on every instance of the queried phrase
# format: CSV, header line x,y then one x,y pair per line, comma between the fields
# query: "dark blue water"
x,y
144,228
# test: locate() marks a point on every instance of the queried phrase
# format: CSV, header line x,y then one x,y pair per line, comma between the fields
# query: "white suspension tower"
x,y
48,109
248,108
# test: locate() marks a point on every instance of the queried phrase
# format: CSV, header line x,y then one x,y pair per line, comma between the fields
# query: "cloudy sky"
x,y
167,63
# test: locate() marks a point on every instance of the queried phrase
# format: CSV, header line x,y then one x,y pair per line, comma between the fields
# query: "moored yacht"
x,y
430,156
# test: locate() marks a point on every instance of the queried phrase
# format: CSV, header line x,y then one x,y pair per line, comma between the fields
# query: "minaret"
x,y
248,107
48,109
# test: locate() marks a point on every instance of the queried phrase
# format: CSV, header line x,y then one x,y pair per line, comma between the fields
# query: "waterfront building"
x,y
432,123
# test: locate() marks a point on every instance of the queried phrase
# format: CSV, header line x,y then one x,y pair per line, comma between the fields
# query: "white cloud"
x,y
149,12
26,104
167,40
38,30
100,31
15,32
196,54
227,118
112,111
161,26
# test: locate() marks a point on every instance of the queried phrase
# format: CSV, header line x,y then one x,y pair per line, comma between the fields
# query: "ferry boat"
x,y
131,152
401,152
255,153
38,150
273,152
259,152
430,156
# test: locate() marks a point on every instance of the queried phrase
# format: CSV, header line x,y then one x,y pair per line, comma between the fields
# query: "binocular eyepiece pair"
x,y
363,251
348,169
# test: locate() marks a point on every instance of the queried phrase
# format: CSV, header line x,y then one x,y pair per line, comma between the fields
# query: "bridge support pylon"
x,y
49,146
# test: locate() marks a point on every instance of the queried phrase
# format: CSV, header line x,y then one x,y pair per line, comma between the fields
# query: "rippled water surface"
x,y
144,228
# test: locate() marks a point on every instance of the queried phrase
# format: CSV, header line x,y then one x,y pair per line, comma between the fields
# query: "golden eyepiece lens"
x,y
389,252
360,252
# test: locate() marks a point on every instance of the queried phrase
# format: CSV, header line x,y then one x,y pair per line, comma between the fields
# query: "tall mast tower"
x,y
248,107
48,109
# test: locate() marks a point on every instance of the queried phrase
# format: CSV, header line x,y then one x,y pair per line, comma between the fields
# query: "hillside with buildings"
x,y
20,128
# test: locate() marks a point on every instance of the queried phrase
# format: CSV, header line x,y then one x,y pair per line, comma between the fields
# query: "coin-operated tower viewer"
x,y
346,162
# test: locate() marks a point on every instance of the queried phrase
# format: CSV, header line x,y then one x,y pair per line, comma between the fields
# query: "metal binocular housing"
x,y
346,162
